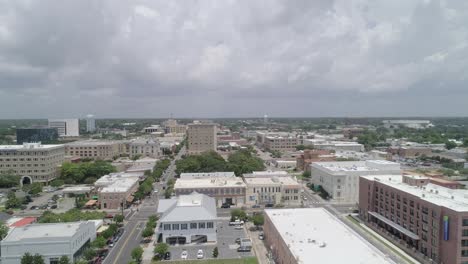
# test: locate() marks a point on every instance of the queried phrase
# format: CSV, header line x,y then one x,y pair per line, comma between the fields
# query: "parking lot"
x,y
227,246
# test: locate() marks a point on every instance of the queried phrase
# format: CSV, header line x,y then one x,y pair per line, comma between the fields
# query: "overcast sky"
x,y
215,58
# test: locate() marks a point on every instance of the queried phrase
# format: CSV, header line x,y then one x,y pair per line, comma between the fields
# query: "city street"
x,y
136,219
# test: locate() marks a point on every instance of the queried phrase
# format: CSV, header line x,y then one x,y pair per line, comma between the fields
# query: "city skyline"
x,y
233,59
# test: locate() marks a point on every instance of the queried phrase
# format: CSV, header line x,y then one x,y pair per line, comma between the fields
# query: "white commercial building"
x,y
66,127
313,235
187,219
341,178
90,123
416,124
226,190
145,147
334,145
273,190
51,241
205,175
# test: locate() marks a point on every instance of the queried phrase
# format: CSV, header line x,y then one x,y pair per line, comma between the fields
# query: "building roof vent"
x,y
323,244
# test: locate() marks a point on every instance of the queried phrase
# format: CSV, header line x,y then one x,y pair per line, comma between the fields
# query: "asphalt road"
x,y
136,220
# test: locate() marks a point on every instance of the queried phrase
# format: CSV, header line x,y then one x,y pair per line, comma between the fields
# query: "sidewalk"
x,y
258,246
148,250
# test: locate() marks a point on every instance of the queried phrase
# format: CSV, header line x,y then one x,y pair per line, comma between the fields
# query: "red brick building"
x,y
304,160
428,221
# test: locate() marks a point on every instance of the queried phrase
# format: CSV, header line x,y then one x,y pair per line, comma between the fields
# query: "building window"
x,y
193,225
54,261
464,243
464,253
183,227
175,226
201,225
167,227
465,222
465,232
209,225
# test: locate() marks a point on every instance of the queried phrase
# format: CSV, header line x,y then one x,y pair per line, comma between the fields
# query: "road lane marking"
x,y
125,244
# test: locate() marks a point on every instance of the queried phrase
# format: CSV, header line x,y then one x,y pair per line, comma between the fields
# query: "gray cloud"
x,y
233,58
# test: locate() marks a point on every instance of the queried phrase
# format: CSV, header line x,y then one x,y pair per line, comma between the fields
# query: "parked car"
x,y
238,227
225,205
261,236
256,206
184,255
238,240
269,205
34,207
244,249
200,254
167,256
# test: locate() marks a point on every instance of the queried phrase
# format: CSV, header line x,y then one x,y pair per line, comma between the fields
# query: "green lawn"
x,y
250,260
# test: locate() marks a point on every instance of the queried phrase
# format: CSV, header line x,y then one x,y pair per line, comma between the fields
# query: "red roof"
x,y
24,221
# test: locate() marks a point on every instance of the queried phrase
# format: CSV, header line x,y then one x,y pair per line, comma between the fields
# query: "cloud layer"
x,y
233,58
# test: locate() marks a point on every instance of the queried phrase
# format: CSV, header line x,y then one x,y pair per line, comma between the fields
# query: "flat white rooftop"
x,y
29,147
209,183
362,166
314,235
42,231
121,185
202,175
455,199
272,181
92,142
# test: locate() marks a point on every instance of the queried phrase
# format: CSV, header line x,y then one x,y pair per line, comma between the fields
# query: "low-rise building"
x,y
416,124
341,178
314,235
34,162
51,241
116,189
304,160
172,127
187,219
428,221
145,147
334,145
205,175
410,151
95,149
273,191
225,190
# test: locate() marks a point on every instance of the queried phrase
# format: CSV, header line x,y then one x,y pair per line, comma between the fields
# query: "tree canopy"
x,y
80,172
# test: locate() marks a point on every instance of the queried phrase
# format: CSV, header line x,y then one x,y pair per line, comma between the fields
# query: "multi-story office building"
x,y
281,143
145,147
51,241
225,190
187,219
95,149
33,161
37,134
309,156
201,137
341,178
172,127
66,127
90,123
314,235
428,221
334,145
273,190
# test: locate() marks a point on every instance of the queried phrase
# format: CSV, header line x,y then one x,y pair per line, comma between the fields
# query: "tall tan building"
x,y
33,161
201,137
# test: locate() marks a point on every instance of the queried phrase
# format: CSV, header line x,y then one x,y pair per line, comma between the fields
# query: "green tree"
x,y
99,242
243,161
38,259
27,258
119,218
306,174
137,253
238,214
9,180
161,248
12,201
450,145
64,260
89,253
215,252
258,219
3,230
33,188
465,142
57,183
147,232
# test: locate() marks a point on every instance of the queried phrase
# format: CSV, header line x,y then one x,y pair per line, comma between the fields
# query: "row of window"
x,y
200,225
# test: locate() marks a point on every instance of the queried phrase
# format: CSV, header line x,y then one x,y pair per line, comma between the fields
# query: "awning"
x,y
130,198
395,225
95,197
90,203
